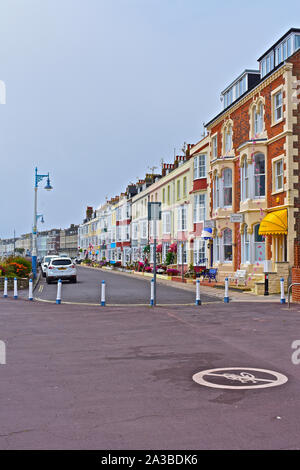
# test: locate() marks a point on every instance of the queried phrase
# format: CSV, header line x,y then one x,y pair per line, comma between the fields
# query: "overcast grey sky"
x,y
98,91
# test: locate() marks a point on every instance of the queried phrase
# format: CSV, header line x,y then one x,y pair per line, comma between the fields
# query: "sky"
x,y
99,91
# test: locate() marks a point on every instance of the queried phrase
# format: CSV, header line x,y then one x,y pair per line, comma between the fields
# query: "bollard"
x,y
198,300
15,288
103,294
152,293
282,296
226,296
30,295
58,295
5,288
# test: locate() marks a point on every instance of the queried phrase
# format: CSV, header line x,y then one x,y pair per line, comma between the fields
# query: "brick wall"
x,y
295,60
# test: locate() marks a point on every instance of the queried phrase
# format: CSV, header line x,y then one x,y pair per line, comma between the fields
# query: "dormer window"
x,y
283,49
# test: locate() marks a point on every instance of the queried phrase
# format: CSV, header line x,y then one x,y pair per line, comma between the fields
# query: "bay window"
x,y
227,187
259,246
199,252
181,252
227,245
199,208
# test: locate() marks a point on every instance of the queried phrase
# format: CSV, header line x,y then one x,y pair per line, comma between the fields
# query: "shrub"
x,y
172,272
170,258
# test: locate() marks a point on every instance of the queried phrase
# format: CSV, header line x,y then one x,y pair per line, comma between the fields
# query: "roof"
x,y
292,30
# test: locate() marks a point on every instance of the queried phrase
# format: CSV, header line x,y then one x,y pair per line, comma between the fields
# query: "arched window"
x,y
228,139
259,245
258,119
227,245
259,175
227,187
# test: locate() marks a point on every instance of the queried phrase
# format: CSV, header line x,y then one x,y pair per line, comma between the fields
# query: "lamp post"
x,y
48,187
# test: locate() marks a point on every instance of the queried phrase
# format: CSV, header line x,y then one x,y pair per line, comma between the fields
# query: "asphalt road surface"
x,y
120,289
82,377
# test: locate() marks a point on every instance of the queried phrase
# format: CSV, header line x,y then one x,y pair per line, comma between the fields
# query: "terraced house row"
x,y
231,202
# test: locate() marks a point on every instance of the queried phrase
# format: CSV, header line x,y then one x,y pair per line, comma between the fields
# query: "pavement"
x,y
91,377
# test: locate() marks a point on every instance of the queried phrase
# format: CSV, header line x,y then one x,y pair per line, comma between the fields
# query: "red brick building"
x,y
254,169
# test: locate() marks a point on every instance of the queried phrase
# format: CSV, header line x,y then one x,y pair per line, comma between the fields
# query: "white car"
x,y
61,268
45,262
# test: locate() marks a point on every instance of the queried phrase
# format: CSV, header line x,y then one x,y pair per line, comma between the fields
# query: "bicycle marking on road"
x,y
242,375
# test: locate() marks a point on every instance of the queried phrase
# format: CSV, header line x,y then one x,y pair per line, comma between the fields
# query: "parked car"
x,y
45,262
61,268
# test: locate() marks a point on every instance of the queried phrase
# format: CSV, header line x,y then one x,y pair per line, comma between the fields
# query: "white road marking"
x,y
243,377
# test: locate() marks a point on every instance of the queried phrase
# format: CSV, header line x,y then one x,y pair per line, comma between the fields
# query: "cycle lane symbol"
x,y
239,378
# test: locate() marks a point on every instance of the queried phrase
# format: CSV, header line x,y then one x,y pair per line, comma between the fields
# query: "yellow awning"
x,y
274,223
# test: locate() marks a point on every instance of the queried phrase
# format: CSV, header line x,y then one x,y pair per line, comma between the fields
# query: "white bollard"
x,y
282,296
58,295
103,294
5,288
198,299
152,293
226,296
30,293
15,288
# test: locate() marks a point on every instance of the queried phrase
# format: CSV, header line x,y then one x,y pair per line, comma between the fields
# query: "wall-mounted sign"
x,y
239,218
154,210
209,223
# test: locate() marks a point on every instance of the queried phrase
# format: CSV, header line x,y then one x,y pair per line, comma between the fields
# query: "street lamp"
x,y
48,187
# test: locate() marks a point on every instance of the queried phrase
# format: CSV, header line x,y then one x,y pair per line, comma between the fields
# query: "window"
x,y
297,41
216,192
144,229
163,195
227,245
184,186
181,222
259,175
278,175
135,231
217,249
246,245
166,222
277,106
258,119
278,54
228,139
199,252
168,194
215,146
259,246
227,187
178,189
182,250
242,86
245,181
165,249
200,166
199,208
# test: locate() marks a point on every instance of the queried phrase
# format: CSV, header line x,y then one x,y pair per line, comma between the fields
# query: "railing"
x,y
289,290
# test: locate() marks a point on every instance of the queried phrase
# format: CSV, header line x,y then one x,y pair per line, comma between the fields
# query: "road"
x,y
86,377
120,289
